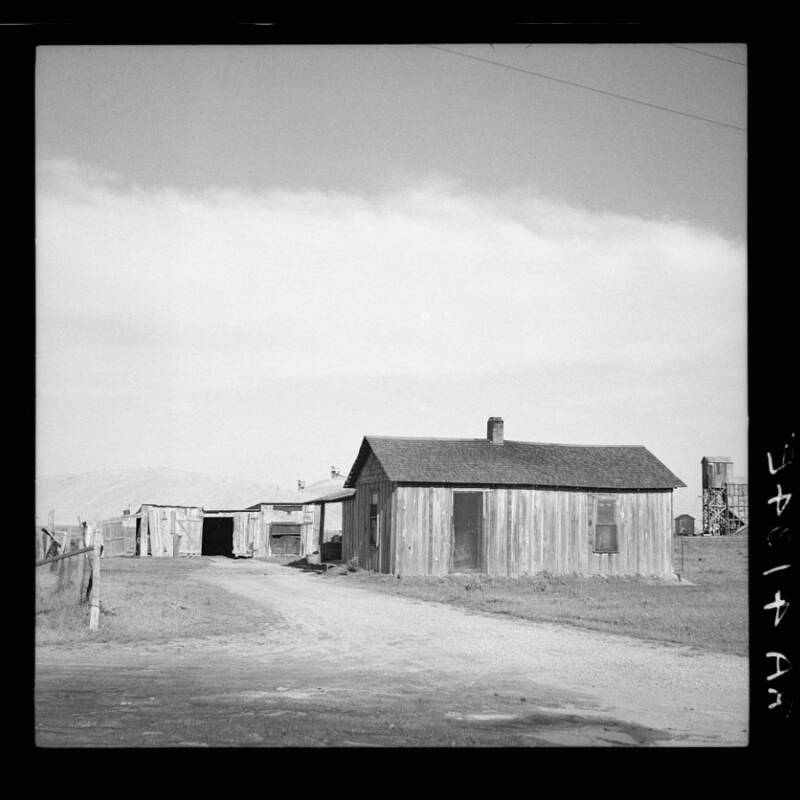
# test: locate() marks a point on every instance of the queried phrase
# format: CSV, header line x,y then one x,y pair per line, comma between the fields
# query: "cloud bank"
x,y
152,286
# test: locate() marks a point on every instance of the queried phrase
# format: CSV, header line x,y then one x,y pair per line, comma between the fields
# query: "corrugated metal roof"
x,y
478,461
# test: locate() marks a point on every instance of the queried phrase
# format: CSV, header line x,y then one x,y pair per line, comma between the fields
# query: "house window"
x,y
605,526
374,521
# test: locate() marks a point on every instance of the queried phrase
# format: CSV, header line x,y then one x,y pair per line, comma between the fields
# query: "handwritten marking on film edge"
x,y
784,462
777,500
779,605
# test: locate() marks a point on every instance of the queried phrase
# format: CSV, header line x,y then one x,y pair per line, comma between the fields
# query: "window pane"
x,y
605,510
373,531
373,520
605,539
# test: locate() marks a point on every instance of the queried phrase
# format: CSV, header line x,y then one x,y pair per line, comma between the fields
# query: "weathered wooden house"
x,y
499,507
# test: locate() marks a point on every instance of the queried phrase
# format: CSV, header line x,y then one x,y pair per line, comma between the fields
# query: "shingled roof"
x,y
481,462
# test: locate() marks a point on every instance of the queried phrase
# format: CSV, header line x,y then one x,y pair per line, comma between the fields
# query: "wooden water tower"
x,y
719,489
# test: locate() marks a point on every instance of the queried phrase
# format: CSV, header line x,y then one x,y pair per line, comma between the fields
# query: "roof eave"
x,y
352,476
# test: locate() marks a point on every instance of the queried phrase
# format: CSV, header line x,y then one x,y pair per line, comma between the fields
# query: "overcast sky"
x,y
248,257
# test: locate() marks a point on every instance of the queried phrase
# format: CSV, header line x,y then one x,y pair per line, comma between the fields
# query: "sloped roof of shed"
x,y
478,461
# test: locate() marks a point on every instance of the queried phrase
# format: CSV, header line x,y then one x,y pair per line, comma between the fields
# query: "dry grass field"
x,y
707,609
160,599
151,600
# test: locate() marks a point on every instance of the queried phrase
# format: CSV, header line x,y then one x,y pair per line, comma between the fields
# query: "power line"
x,y
709,55
588,88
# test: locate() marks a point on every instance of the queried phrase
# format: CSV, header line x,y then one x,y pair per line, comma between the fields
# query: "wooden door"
x,y
467,531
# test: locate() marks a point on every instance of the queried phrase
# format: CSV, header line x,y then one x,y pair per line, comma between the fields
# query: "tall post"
x,y
321,528
94,595
87,565
51,526
64,569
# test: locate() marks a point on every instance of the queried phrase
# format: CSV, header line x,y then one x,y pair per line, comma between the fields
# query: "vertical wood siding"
x,y
348,529
355,520
119,536
156,524
524,531
247,532
264,517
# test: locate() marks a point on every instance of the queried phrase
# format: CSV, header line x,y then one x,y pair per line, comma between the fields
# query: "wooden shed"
x,y
684,525
166,531
285,529
427,506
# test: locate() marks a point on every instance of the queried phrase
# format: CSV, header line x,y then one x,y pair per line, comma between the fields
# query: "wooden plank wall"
x,y
527,531
246,532
355,519
119,536
716,474
308,534
189,526
422,526
156,524
358,543
349,536
263,518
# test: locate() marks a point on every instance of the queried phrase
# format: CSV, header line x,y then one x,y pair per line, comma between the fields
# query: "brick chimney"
x,y
494,430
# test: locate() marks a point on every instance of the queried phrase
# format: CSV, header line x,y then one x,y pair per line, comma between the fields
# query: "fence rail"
x,y
90,579
64,555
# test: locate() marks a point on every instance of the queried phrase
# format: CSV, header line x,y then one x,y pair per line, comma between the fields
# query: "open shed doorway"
x,y
217,536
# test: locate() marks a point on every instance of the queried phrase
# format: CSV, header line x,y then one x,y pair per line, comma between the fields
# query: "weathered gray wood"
x,y
174,535
524,530
42,561
86,567
64,572
94,594
321,528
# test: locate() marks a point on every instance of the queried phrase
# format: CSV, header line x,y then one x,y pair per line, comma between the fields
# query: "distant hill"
x,y
105,493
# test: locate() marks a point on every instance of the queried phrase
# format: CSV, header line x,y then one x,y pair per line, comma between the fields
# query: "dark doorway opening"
x,y
217,536
467,517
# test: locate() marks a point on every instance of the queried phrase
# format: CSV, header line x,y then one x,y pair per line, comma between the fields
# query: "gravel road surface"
x,y
339,665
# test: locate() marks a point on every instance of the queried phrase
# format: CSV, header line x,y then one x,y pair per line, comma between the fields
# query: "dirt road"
x,y
336,665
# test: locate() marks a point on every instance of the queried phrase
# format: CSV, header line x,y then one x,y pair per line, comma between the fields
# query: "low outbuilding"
x,y
684,525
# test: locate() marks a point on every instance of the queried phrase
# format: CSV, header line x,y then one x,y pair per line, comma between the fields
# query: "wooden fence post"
x,y
94,595
63,568
85,578
51,526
